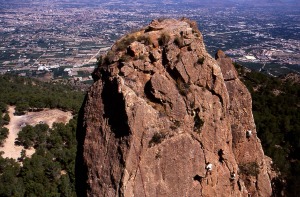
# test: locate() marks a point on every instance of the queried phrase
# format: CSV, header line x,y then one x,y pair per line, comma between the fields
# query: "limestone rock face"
x,y
161,109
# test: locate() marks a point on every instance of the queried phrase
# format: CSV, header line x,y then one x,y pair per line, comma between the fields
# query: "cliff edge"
x,y
164,118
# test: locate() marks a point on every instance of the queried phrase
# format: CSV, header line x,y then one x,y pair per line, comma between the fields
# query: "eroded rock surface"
x,y
161,109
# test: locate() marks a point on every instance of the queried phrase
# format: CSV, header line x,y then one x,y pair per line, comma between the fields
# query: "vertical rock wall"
x,y
161,111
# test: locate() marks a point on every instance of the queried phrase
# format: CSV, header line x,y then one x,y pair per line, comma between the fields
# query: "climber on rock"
x,y
208,167
232,176
248,134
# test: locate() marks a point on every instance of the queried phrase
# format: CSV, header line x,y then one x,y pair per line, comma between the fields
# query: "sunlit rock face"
x,y
164,118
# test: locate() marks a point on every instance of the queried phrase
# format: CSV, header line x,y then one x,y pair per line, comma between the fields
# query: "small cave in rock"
x,y
165,60
157,138
221,154
114,109
182,86
198,122
156,103
152,58
148,92
197,178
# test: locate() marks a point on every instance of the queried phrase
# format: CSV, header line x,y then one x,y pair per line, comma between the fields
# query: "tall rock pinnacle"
x,y
164,118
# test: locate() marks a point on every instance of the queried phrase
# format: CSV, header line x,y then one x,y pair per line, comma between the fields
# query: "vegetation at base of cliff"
x,y
26,93
3,135
51,169
277,116
35,136
4,120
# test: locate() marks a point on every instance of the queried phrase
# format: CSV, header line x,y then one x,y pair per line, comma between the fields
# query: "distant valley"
x,y
61,40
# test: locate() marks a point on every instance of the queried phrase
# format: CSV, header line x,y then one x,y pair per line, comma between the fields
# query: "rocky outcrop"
x,y
164,118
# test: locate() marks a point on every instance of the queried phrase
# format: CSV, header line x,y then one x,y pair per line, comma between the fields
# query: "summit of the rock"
x,y
164,118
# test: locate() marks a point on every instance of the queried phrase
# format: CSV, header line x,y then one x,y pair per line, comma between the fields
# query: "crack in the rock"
x,y
214,77
148,90
256,186
186,71
201,145
104,128
226,80
164,57
213,92
114,109
120,186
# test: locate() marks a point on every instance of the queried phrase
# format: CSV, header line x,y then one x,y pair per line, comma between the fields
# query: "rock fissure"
x,y
187,73
114,110
213,92
227,80
120,186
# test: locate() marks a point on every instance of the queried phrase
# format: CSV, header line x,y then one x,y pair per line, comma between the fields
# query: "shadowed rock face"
x,y
161,109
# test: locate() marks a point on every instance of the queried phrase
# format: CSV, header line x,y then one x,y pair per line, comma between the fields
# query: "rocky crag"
x,y
164,118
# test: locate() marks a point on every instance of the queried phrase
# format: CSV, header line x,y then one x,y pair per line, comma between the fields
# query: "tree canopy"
x,y
51,169
28,93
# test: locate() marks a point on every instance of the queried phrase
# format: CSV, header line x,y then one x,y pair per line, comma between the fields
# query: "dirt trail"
x,y
48,116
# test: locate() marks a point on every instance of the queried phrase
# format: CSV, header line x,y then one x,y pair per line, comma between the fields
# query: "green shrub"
x,y
31,136
6,119
198,123
161,19
183,87
164,39
145,40
179,41
251,169
125,58
197,35
201,60
109,58
176,124
124,43
157,138
21,107
142,57
100,60
3,135
3,107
